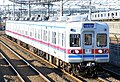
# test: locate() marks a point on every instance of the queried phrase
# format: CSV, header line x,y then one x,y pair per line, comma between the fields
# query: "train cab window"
x,y
101,40
88,39
74,40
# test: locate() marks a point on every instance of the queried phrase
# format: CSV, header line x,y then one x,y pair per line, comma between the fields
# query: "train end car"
x,y
76,46
87,41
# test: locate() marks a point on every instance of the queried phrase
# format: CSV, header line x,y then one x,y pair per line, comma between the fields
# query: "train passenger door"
x,y
88,44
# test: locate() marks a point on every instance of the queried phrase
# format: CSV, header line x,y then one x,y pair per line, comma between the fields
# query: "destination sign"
x,y
88,25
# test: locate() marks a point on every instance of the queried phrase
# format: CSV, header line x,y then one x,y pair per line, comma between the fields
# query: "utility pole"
x,y
14,9
29,9
48,9
90,11
61,8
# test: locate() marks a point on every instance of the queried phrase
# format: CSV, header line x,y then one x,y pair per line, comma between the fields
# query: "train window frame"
x,y
74,43
98,42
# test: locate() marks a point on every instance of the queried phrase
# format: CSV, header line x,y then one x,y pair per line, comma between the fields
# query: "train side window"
x,y
98,15
101,40
38,34
101,15
59,35
49,36
35,33
62,39
22,31
108,14
112,14
45,35
74,40
88,39
116,13
41,34
31,34
54,37
26,33
95,16
104,14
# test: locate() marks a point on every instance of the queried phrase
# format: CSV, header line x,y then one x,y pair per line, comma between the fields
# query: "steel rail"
x,y
18,74
26,63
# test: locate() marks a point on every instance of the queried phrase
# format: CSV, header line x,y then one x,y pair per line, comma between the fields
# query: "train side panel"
x,y
41,35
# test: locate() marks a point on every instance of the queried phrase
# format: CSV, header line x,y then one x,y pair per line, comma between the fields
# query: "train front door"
x,y
88,43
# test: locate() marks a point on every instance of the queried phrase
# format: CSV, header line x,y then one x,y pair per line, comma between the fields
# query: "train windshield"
x,y
101,40
74,40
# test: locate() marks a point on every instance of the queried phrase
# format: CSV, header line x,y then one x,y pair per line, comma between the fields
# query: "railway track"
x,y
24,70
17,75
50,71
53,74
6,72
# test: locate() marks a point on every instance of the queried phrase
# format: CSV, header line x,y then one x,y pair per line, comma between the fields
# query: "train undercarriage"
x,y
87,69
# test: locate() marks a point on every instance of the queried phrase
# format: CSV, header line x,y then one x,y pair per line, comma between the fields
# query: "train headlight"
x,y
100,51
76,51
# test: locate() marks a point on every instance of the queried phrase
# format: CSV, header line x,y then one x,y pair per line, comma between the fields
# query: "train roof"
x,y
60,24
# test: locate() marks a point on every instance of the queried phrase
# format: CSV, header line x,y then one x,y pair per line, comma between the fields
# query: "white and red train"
x,y
76,46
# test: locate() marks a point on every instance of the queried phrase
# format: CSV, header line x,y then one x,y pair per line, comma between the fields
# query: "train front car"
x,y
88,45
